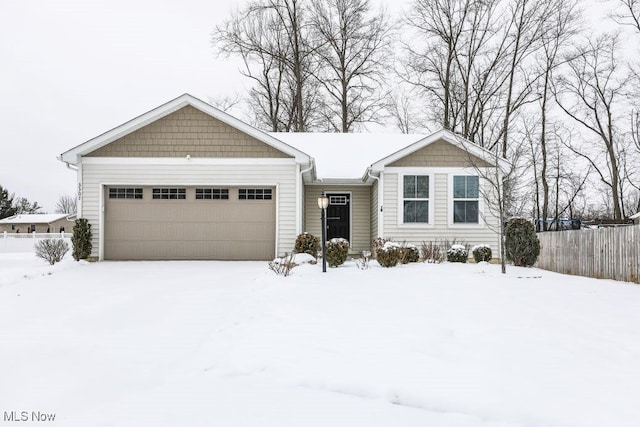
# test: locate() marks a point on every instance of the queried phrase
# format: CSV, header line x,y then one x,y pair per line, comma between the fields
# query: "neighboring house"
x,y
37,223
635,218
188,181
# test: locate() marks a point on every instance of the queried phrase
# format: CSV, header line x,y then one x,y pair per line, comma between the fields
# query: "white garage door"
x,y
173,223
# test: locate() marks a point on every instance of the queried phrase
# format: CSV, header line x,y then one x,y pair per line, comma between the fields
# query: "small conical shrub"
x,y
81,239
522,246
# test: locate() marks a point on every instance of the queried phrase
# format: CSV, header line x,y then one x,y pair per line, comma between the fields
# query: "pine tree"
x,y
7,208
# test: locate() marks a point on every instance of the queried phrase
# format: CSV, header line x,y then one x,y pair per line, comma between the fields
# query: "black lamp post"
x,y
323,203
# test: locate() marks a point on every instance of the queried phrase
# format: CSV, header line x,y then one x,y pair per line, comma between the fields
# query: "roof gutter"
x,y
69,165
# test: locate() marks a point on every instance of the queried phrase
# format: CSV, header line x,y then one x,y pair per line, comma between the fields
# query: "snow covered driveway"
x,y
232,344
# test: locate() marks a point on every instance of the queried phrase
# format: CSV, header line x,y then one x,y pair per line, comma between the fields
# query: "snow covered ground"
x,y
232,344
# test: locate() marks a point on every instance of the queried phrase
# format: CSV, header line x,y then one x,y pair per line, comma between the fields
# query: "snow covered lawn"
x,y
232,344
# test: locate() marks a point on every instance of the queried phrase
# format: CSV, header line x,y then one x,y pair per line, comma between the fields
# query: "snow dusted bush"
x,y
337,251
432,252
481,253
52,250
307,244
409,253
457,253
377,244
389,254
282,266
522,246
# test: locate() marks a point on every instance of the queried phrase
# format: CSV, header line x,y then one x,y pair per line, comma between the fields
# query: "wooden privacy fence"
x,y
604,253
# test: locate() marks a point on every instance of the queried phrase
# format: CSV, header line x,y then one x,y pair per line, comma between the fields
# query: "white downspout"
x,y
380,204
299,191
78,171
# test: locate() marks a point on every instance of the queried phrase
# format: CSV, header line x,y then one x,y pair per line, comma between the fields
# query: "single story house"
x,y
37,223
188,181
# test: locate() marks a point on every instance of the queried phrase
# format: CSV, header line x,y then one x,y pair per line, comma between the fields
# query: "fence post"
x,y
5,234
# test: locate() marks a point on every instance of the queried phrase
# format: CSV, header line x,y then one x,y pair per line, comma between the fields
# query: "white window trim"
x,y
431,199
481,222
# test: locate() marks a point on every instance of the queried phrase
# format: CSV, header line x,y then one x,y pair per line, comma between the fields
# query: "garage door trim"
x,y
104,185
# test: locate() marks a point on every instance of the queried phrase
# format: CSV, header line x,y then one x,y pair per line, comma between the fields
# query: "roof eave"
x,y
450,137
73,155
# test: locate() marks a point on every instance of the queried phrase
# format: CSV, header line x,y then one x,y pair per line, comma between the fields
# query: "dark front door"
x,y
338,218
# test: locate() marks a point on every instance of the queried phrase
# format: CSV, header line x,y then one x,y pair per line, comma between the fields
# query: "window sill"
x,y
416,225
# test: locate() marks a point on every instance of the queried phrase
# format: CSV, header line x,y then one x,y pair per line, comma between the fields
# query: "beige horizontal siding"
x,y
438,154
360,213
93,175
441,230
188,131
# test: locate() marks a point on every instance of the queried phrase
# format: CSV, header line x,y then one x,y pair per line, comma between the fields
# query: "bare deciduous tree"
x,y
628,13
272,38
405,110
556,38
589,92
353,51
67,204
471,62
226,103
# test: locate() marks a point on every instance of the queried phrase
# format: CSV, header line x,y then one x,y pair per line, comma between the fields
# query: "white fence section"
x,y
604,253
25,242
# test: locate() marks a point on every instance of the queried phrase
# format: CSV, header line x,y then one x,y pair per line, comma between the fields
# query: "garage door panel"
x,y
186,250
189,228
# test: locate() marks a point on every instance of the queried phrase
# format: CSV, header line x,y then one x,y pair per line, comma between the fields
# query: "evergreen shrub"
x,y
81,239
389,254
337,251
522,246
308,244
481,253
457,253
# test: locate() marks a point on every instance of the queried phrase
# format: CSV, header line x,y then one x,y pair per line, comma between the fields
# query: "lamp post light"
x,y
323,203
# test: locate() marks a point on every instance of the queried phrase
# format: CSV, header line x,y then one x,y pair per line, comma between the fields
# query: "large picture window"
x,y
415,198
466,198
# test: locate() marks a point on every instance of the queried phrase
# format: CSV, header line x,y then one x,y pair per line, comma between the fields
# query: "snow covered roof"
x,y
346,155
33,218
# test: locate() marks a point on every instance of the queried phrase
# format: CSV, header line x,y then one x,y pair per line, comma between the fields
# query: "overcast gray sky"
x,y
73,69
